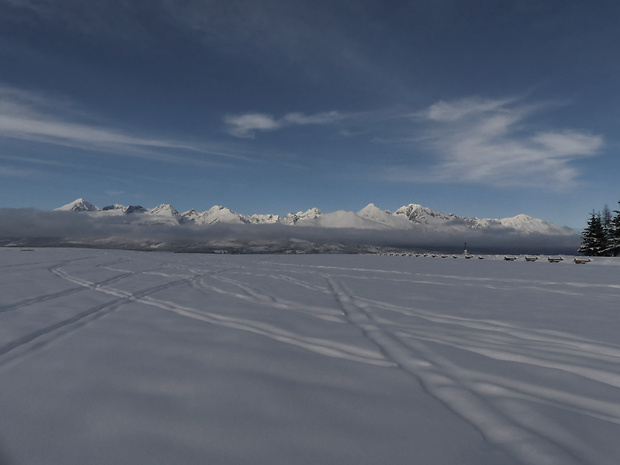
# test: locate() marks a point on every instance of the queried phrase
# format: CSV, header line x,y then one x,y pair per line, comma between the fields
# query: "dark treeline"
x,y
601,237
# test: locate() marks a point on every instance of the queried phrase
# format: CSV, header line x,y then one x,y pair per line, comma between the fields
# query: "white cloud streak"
x,y
10,172
30,117
486,141
246,126
454,111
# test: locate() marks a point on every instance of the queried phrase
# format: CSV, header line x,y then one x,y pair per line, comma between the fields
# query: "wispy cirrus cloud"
x,y
489,141
11,172
247,125
115,194
460,109
30,117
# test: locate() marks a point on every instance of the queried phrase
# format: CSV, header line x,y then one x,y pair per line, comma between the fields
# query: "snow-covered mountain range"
x,y
409,217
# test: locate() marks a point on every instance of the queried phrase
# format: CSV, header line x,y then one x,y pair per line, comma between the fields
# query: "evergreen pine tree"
x,y
606,218
614,235
593,242
606,223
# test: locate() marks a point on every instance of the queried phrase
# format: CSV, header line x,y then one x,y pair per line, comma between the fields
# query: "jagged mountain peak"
x,y
219,208
135,209
79,205
526,224
419,214
264,218
164,209
384,217
294,218
191,215
310,213
412,207
218,214
370,209
116,206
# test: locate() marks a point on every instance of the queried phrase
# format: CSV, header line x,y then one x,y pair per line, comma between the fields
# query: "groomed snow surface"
x,y
113,357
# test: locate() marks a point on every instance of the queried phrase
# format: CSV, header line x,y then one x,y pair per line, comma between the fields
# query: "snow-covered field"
x,y
113,357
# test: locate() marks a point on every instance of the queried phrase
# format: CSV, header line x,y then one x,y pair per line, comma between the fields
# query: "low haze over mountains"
x,y
409,217
219,229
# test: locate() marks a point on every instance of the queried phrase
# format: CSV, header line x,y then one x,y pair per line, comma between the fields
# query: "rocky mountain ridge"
x,y
412,216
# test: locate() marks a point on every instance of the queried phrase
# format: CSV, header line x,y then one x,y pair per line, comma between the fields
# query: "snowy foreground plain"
x,y
114,357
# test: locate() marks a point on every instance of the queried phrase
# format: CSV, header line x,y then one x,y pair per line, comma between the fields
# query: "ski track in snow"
x,y
440,379
320,346
449,354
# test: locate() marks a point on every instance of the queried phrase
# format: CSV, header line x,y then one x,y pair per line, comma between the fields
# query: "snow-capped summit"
x,y
164,209
191,215
164,214
135,209
419,214
263,219
372,212
384,217
218,214
116,206
525,224
79,205
294,218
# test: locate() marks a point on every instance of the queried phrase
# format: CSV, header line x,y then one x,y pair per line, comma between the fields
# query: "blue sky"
x,y
479,108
